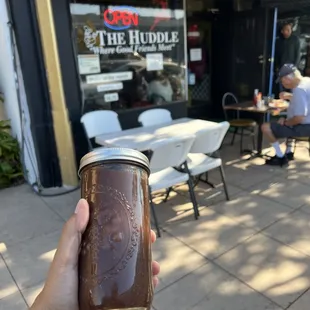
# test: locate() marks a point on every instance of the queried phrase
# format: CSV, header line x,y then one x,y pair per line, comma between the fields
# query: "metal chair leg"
x,y
241,142
193,198
291,143
234,135
224,182
206,180
253,140
191,191
196,181
154,214
167,194
295,144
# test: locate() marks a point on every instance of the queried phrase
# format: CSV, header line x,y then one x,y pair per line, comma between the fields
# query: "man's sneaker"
x,y
277,161
290,156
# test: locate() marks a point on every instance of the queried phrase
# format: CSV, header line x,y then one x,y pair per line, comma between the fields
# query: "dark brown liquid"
x,y
115,258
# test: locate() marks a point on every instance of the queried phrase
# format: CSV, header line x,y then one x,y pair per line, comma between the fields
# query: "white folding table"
x,y
142,138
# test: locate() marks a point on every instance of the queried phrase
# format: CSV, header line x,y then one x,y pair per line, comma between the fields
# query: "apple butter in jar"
x,y
115,262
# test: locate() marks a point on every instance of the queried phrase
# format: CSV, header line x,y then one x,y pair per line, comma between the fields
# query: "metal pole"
x,y
275,19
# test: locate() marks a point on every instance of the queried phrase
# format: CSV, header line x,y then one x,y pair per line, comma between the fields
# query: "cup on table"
x,y
260,104
271,98
263,103
267,100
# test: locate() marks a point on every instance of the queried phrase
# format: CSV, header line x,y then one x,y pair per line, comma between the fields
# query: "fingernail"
x,y
81,215
78,207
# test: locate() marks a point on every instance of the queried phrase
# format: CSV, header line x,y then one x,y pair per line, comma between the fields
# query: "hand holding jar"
x,y
60,291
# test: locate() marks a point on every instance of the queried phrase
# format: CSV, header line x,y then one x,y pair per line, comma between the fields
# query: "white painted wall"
x,y
11,84
7,77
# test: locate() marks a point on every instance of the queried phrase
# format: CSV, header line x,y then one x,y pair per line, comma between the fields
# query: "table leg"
x,y
260,137
260,134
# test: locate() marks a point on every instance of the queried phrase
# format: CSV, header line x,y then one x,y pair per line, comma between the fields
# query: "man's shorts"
x,y
282,131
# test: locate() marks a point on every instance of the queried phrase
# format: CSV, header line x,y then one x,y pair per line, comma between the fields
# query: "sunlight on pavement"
x,y
3,248
48,256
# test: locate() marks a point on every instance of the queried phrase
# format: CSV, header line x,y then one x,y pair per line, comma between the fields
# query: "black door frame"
x,y
26,31
267,50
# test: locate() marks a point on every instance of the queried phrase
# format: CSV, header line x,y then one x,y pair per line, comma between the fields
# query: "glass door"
x,y
251,54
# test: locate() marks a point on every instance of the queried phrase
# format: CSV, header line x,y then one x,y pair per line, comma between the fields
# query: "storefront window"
x,y
130,56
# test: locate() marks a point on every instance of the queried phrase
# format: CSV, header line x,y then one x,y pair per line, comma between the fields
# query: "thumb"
x,y
70,240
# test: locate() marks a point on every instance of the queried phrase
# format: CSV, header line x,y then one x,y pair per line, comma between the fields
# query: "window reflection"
x,y
129,56
290,27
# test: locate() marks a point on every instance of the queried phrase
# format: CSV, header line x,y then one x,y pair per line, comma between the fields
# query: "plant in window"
x,y
11,172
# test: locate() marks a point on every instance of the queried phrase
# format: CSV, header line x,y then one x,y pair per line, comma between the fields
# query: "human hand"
x,y
281,121
285,96
60,291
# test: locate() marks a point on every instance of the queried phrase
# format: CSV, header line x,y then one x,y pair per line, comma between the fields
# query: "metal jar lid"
x,y
107,154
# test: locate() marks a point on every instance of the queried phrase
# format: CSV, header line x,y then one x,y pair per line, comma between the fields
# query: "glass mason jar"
x,y
115,262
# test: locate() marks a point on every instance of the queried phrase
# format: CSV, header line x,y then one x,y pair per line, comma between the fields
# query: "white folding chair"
x,y
208,141
167,154
154,117
97,123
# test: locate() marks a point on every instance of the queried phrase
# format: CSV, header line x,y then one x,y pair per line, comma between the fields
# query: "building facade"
x,y
129,56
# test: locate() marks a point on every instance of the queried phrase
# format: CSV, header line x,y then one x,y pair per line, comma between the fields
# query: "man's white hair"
x,y
295,74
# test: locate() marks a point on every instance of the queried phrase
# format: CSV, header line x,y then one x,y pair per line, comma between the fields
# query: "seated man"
x,y
297,123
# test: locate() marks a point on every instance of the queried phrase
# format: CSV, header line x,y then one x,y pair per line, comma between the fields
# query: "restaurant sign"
x,y
120,18
123,41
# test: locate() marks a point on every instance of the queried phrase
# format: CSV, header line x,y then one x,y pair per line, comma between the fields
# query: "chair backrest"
x,y
228,98
210,140
170,152
154,117
97,123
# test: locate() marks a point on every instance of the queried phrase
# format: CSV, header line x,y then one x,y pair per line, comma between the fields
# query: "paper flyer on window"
x,y
111,97
196,54
89,64
154,62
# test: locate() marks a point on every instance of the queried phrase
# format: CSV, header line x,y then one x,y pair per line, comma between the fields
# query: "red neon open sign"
x,y
121,17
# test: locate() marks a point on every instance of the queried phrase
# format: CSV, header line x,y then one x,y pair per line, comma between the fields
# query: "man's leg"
x,y
269,135
272,132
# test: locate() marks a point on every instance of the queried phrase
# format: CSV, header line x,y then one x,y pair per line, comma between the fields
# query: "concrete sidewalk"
x,y
250,253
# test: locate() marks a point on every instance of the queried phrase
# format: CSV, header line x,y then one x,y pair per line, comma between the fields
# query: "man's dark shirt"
x,y
287,51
